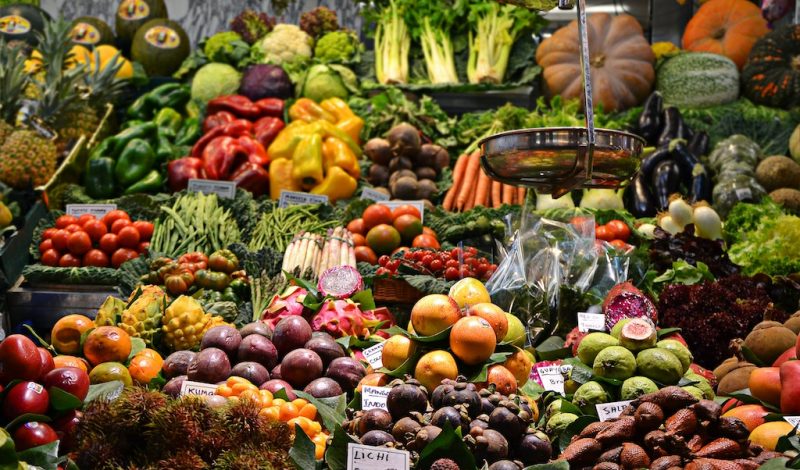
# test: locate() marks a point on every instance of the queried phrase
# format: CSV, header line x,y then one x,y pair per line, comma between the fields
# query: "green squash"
x,y
698,80
772,74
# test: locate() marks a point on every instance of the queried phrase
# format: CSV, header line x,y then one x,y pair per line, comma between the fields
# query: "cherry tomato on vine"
x,y
620,230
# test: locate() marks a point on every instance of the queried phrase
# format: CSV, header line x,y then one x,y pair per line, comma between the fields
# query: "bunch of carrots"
x,y
473,187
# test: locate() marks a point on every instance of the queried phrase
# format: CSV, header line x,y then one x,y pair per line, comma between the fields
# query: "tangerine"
x,y
765,384
519,364
434,367
143,369
767,434
70,361
473,340
396,350
752,416
66,333
492,314
433,314
375,215
107,344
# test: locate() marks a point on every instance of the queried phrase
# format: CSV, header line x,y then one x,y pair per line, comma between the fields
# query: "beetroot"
x,y
626,301
340,282
287,303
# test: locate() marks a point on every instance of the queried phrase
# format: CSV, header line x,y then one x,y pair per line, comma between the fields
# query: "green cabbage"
x,y
328,81
213,80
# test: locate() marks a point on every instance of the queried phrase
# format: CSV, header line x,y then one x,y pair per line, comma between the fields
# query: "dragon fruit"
x,y
383,319
287,303
626,301
343,317
340,282
573,340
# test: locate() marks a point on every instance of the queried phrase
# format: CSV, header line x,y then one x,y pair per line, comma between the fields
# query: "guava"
x,y
591,345
617,329
637,386
659,365
696,392
679,350
701,383
614,362
637,335
588,395
553,409
559,422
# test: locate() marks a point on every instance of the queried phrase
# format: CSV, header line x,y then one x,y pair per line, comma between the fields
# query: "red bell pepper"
x,y
272,107
266,129
221,156
252,177
234,128
238,128
218,119
239,105
256,153
180,171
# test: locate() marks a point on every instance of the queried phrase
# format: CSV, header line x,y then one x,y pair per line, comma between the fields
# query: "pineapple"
x,y
13,80
27,159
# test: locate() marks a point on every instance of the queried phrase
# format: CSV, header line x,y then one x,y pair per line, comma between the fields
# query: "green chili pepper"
x,y
164,148
190,131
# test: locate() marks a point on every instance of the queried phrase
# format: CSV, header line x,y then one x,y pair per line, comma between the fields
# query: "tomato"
x,y
406,209
356,226
620,245
144,228
375,215
85,218
143,247
425,241
359,240
365,254
128,236
114,215
48,233
69,261
79,243
95,258
451,274
603,233
50,257
122,255
579,221
383,260
119,224
65,220
60,240
72,228
95,229
436,265
45,245
620,230
109,243
429,231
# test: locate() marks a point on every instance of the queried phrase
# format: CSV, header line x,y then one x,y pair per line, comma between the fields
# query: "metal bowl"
x,y
551,159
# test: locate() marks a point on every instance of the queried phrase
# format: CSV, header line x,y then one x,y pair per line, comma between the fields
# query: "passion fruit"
x,y
375,420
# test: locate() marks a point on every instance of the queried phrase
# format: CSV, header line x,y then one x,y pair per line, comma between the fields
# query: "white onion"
x,y
707,223
668,225
647,230
681,212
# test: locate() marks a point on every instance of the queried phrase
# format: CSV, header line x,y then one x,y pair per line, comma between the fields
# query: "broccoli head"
x,y
252,26
319,21
337,46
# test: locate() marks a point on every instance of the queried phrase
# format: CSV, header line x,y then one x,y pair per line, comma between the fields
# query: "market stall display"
x,y
288,255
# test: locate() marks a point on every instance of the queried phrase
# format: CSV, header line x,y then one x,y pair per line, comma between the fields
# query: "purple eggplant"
x,y
666,180
640,198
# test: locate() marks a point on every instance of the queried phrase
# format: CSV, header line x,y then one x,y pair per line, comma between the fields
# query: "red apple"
x,y
33,434
47,362
67,429
19,359
25,397
68,379
790,353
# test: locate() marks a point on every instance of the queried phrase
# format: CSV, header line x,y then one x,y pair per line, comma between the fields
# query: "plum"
x,y
326,347
291,333
177,364
252,371
173,387
300,367
210,366
347,371
224,337
274,385
256,328
259,349
323,387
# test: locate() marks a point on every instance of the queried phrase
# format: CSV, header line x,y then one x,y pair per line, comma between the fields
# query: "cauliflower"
x,y
286,43
338,46
221,45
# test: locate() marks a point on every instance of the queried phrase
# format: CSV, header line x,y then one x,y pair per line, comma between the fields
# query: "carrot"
x,y
497,190
508,194
521,195
482,191
470,178
458,176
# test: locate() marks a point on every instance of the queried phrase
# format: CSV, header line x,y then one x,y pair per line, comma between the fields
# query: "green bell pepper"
x,y
145,130
241,288
165,151
135,161
190,131
168,121
99,179
168,95
104,148
131,123
152,182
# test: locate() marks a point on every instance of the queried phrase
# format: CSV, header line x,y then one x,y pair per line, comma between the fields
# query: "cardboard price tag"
x,y
373,195
294,198
606,411
223,189
361,457
198,388
420,205
552,377
97,210
374,397
374,355
591,322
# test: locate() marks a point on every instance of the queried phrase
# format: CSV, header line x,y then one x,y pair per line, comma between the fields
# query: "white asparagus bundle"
x,y
338,249
302,253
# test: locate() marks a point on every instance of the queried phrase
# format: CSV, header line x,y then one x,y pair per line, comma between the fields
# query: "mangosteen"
x,y
405,398
478,423
405,429
424,436
491,446
448,414
377,438
486,406
463,395
504,465
446,387
507,423
534,448
374,420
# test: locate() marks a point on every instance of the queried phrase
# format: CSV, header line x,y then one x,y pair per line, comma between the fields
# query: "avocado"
x,y
89,31
20,22
131,14
160,45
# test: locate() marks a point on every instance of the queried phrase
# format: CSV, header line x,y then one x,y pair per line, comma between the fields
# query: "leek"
x,y
392,45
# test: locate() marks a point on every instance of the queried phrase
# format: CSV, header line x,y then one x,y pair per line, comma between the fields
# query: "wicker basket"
x,y
395,291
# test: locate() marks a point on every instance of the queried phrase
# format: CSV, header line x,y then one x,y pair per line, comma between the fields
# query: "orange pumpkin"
x,y
725,27
620,56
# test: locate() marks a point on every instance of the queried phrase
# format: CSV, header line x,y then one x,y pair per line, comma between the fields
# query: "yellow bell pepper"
x,y
336,185
287,139
352,126
330,130
337,153
307,170
337,107
307,110
280,177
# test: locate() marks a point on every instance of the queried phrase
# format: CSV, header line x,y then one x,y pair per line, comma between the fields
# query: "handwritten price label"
x,y
591,322
374,397
294,198
97,210
374,355
606,411
552,377
373,195
361,457
198,388
420,205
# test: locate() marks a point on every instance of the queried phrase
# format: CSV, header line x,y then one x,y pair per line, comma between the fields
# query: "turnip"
x,y
707,222
680,211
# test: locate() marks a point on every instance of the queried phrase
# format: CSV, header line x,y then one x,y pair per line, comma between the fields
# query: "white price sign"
x,y
97,210
294,198
552,377
591,322
793,420
374,355
606,411
198,388
361,457
420,205
374,397
374,195
223,189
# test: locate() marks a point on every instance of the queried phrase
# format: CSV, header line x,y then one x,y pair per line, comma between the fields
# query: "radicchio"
x,y
626,301
287,303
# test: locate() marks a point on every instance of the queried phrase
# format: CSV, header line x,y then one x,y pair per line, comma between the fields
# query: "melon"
x,y
698,80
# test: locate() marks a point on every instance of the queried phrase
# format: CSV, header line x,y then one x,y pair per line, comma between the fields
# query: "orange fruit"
x,y
492,314
143,369
396,350
765,384
107,344
433,314
519,364
375,379
767,434
66,333
469,291
472,340
752,416
434,367
504,381
70,361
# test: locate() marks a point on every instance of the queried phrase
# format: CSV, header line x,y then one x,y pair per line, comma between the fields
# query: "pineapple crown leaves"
x,y
13,80
101,83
